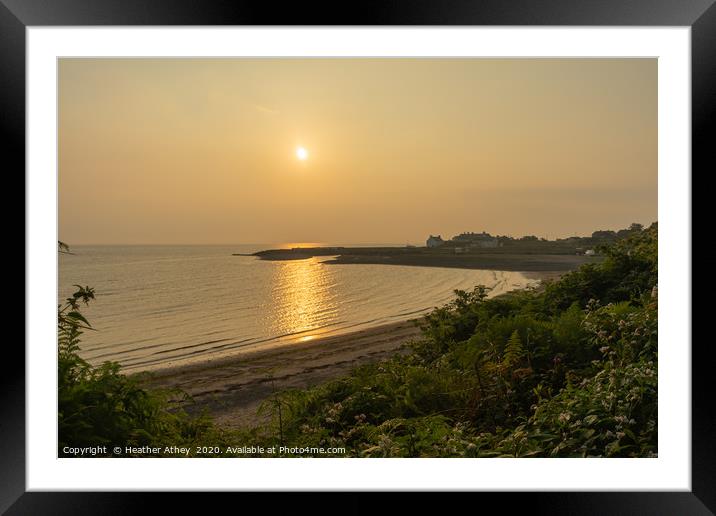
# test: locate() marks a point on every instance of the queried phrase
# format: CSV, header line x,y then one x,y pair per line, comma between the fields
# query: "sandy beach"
x,y
232,388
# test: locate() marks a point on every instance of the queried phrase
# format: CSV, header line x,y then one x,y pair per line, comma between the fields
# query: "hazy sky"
x,y
204,150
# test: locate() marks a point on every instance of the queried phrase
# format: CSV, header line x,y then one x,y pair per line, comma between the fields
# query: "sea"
x,y
165,306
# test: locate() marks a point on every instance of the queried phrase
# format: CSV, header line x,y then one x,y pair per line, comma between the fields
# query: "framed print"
x,y
413,249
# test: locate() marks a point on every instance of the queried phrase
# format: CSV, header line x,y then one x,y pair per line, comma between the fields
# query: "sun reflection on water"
x,y
303,297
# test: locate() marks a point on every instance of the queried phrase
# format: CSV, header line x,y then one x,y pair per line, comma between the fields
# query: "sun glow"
x,y
301,153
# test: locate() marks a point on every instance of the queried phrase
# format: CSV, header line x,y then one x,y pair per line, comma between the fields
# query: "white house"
x,y
434,241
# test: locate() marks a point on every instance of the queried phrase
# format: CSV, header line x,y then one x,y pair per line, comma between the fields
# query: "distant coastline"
x,y
504,259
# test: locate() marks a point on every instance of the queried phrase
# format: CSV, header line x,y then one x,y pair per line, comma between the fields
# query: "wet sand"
x,y
231,389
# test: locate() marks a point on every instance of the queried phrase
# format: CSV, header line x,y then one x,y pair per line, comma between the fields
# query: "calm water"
x,y
164,305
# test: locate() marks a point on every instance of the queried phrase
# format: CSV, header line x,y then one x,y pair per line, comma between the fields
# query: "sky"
x,y
204,151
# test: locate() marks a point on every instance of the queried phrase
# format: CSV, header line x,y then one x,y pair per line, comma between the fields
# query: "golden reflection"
x,y
302,297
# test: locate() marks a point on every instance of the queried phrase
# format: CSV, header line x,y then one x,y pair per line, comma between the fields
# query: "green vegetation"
x,y
568,370
100,406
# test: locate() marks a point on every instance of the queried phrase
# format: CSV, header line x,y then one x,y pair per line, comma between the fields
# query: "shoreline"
x,y
539,266
534,261
231,388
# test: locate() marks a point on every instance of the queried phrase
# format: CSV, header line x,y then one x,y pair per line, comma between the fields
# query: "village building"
x,y
476,240
435,241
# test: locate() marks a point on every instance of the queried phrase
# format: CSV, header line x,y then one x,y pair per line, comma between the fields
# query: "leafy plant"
x,y
98,405
568,370
565,371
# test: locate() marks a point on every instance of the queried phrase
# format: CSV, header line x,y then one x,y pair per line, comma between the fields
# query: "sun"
x,y
301,153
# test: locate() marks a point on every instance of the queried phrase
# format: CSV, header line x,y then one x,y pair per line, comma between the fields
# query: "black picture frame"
x,y
700,15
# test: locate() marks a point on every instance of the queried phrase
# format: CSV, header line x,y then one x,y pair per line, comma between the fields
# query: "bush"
x,y
566,371
569,371
101,406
